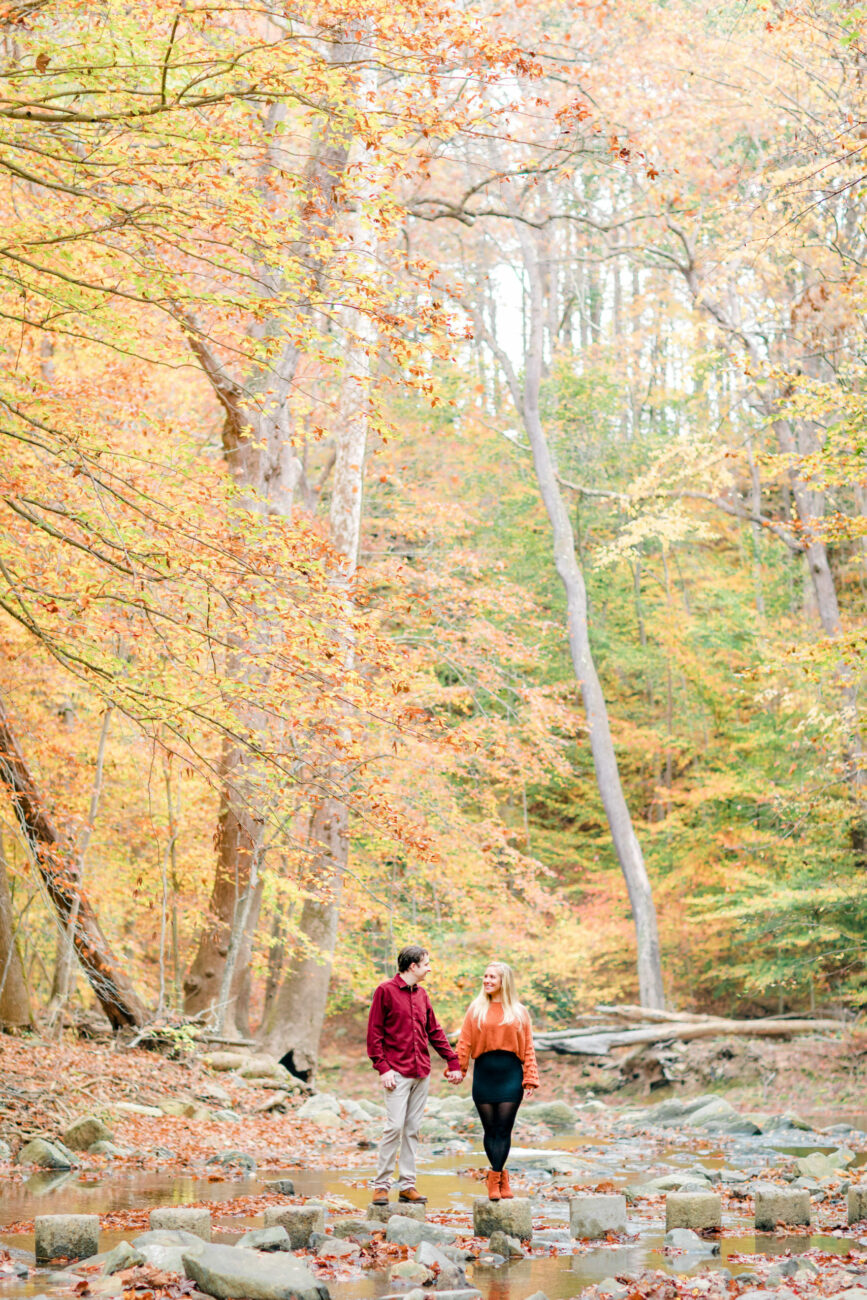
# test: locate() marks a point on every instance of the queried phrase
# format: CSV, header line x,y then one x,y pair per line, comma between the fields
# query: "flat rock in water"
x,y
275,1238
435,1257
407,1270
123,1256
281,1186
403,1231
509,1247
228,1273
683,1239
817,1165
335,1248
356,1229
164,1248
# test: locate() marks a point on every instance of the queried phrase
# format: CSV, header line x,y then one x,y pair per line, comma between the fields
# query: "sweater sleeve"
x,y
465,1043
531,1072
376,1033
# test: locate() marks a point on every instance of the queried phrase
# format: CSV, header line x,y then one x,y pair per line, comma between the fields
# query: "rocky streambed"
x,y
562,1152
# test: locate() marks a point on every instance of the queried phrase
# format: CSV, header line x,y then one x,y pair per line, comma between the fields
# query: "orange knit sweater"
x,y
493,1036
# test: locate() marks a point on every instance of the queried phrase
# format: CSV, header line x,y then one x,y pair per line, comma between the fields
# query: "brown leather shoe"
x,y
506,1193
380,1196
410,1194
492,1178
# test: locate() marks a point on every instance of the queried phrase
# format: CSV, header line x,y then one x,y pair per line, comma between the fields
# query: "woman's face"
x,y
492,981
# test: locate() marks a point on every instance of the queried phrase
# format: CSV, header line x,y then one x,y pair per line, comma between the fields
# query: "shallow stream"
x,y
450,1185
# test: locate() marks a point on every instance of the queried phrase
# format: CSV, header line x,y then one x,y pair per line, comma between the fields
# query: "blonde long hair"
x,y
512,1008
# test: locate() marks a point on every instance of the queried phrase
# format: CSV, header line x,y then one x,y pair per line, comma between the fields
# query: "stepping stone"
x,y
788,1205
514,1217
300,1221
858,1203
70,1236
696,1210
185,1218
592,1217
382,1213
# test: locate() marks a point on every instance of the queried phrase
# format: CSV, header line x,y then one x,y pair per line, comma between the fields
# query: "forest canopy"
x,y
434,506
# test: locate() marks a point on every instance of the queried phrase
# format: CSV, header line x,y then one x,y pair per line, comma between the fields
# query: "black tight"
x,y
498,1120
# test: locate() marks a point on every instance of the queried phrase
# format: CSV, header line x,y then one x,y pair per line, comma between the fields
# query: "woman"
x,y
496,1035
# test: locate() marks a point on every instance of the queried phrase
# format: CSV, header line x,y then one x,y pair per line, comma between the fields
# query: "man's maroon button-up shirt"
x,y
400,1026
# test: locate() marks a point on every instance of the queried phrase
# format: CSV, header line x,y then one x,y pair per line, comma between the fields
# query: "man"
x,y
400,1026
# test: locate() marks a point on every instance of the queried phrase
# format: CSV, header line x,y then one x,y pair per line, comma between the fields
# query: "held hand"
x,y
454,1076
388,1080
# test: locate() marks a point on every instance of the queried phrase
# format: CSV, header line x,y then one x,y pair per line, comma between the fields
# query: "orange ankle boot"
x,y
506,1192
493,1180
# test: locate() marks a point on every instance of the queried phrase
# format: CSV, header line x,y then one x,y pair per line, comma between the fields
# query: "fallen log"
x,y
684,1032
54,859
642,1014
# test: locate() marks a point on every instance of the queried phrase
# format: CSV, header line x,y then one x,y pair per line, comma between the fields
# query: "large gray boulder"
x,y
82,1133
228,1273
403,1231
817,1165
715,1111
46,1155
69,1236
558,1115
165,1249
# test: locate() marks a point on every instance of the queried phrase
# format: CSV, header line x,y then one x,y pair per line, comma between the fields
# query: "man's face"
x,y
421,969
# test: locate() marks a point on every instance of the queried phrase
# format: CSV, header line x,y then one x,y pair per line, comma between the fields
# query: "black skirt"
x,y
498,1076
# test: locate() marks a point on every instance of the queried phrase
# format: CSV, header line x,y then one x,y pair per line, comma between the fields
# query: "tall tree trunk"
x,y
526,397
238,833
293,1022
258,449
54,859
293,1025
14,998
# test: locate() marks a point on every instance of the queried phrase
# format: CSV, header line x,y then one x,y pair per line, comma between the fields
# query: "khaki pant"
x,y
404,1107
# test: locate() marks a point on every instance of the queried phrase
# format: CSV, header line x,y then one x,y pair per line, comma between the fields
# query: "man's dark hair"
x,y
409,956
